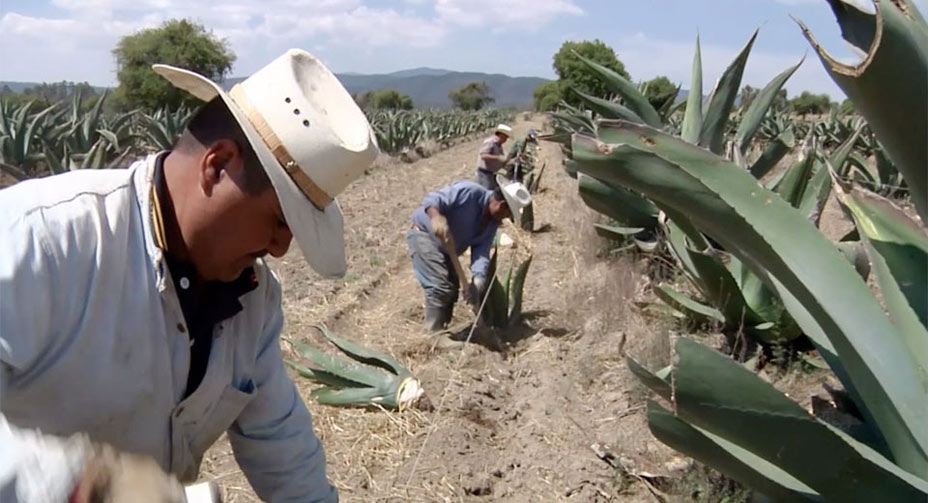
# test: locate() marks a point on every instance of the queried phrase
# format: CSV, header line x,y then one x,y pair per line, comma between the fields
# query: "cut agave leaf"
x,y
773,153
888,86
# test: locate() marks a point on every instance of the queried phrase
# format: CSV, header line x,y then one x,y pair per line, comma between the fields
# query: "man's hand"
x,y
119,477
476,290
440,226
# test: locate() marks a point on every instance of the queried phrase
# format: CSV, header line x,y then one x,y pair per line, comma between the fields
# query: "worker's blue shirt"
x,y
463,203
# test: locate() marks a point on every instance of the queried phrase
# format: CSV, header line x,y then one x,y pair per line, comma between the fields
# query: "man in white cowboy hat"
x,y
137,307
491,159
465,215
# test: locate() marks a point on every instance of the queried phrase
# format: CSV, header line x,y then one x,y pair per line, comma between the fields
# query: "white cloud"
x,y
645,57
256,29
516,15
75,44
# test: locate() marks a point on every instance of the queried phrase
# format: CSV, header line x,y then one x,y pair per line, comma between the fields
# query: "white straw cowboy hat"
x,y
517,197
504,128
309,135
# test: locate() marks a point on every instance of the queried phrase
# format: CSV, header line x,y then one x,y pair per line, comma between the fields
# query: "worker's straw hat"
x,y
517,197
309,135
504,128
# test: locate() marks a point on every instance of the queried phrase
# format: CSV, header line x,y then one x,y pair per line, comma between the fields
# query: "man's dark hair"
x,y
498,194
214,122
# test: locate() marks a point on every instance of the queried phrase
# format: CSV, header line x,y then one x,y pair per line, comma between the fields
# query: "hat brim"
x,y
514,207
319,233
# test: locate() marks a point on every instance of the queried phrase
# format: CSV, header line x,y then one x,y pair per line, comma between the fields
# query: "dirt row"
x,y
526,414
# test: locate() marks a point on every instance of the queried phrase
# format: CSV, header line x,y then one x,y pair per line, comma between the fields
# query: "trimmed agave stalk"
x,y
504,303
369,378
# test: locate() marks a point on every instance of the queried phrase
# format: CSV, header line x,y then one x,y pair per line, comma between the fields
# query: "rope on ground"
x,y
457,366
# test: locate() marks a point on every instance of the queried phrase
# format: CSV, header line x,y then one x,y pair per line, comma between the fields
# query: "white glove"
x,y
38,467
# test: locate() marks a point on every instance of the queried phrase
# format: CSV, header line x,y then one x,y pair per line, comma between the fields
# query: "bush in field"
x,y
472,96
809,103
384,99
181,43
658,90
547,96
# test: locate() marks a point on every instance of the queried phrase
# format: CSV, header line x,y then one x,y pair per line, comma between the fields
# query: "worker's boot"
x,y
435,319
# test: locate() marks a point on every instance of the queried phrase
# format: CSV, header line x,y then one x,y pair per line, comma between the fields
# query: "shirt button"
x,y
184,283
181,328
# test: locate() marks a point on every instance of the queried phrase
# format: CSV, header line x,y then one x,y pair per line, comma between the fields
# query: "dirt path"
x,y
515,415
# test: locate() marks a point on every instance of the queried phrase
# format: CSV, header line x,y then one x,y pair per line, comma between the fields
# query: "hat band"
x,y
309,188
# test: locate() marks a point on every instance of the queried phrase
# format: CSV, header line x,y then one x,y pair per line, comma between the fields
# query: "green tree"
x,y
574,74
809,103
181,43
384,99
658,90
472,96
748,94
546,96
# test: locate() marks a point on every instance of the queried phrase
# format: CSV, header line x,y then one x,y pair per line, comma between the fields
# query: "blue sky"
x,y
51,40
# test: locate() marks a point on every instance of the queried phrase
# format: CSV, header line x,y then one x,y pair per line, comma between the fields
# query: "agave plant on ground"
x,y
369,378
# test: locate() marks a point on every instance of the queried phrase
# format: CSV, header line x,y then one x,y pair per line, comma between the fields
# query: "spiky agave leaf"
x,y
692,117
759,107
722,100
721,397
618,84
898,250
834,307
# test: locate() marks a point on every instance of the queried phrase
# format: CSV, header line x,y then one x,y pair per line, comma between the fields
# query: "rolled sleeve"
x,y
273,438
439,199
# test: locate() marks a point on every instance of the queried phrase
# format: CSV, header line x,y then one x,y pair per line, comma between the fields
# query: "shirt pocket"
x,y
232,401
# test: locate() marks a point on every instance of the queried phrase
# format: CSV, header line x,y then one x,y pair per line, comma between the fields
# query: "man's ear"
x,y
222,156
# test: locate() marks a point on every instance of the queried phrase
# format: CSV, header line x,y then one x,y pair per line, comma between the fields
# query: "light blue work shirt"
x,y
463,203
92,339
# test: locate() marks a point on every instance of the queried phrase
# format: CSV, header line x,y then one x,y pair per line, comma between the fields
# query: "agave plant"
x,y
880,356
162,128
369,378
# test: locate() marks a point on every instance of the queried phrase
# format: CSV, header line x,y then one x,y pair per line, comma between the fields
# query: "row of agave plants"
x,y
718,190
398,130
64,137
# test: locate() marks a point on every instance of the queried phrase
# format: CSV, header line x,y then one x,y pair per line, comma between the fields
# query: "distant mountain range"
x,y
429,87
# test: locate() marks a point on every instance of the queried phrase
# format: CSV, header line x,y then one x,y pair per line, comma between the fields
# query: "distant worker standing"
x,y
491,158
457,217
515,158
